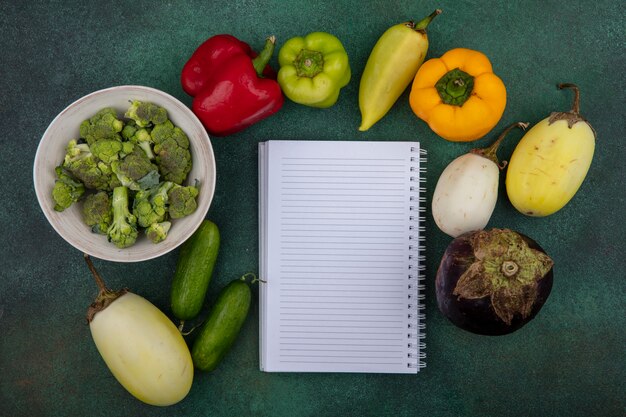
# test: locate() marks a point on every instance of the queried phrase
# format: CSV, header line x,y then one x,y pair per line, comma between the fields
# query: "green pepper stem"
x,y
309,63
576,105
490,151
422,24
261,61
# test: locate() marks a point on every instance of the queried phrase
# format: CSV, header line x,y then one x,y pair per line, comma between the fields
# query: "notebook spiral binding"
x,y
416,326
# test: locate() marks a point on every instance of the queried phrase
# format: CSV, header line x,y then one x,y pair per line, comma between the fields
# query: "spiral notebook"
x,y
341,256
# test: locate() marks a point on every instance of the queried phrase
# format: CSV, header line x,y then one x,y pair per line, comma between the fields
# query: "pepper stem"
x,y
422,24
490,152
455,87
576,105
309,63
261,61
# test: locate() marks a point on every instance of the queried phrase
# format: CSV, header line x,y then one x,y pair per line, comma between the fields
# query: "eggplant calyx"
x,y
573,116
105,296
505,269
570,117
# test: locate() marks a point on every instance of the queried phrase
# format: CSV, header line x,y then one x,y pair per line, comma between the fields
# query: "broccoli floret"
x,y
157,232
129,130
143,139
150,206
146,114
136,171
97,212
109,150
75,150
182,201
171,146
123,231
83,165
102,125
66,190
166,131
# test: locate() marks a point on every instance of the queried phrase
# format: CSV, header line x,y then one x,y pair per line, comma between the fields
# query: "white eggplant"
x,y
141,346
467,190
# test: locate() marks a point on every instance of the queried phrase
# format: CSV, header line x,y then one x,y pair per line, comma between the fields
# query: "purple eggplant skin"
x,y
477,315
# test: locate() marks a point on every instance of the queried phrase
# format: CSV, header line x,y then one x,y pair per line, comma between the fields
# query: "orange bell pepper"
x,y
458,95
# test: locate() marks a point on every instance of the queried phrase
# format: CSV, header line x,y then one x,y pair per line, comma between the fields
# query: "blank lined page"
x,y
337,256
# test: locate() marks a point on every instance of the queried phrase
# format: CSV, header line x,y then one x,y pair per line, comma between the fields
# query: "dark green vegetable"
x,y
98,212
123,230
67,190
221,328
182,200
171,150
193,271
143,152
102,125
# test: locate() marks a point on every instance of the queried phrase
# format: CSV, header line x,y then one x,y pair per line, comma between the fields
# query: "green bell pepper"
x,y
313,69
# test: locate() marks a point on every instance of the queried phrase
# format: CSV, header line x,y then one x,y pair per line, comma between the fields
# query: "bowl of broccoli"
x,y
125,174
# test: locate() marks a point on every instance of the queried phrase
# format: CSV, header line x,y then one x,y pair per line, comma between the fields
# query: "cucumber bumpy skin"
x,y
193,271
221,328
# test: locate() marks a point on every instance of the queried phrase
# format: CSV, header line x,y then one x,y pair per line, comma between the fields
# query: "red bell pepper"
x,y
232,87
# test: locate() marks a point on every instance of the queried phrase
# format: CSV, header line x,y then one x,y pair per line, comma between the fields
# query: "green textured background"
x,y
568,362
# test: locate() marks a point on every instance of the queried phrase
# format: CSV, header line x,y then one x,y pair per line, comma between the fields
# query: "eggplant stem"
x,y
576,105
490,152
105,295
509,268
99,281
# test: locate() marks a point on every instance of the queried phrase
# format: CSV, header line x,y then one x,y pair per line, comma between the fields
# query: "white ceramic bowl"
x,y
69,223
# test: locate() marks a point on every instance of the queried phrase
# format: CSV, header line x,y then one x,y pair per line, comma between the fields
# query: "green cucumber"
x,y
193,271
221,328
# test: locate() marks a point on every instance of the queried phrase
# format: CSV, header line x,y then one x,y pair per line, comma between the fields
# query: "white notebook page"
x,y
337,235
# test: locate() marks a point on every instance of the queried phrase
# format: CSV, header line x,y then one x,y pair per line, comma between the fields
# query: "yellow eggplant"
x,y
551,161
391,67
